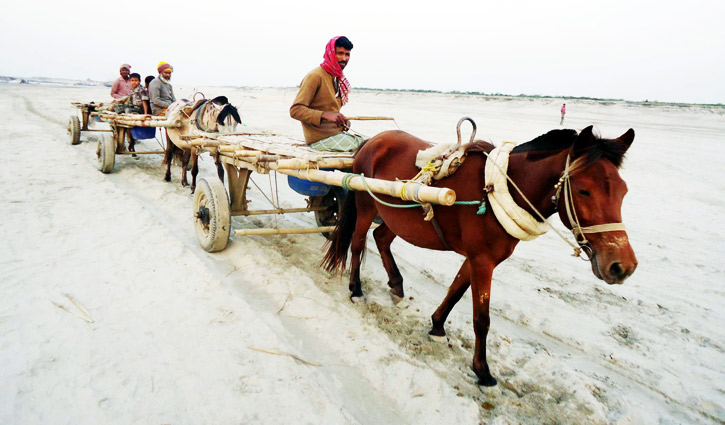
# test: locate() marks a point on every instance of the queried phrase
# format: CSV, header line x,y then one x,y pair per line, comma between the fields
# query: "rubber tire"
x,y
212,194
334,200
106,153
74,129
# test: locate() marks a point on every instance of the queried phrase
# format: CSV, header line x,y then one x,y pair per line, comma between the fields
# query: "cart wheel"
x,y
212,216
333,201
74,129
106,153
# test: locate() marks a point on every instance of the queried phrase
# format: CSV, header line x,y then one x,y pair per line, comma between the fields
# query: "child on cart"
x,y
137,101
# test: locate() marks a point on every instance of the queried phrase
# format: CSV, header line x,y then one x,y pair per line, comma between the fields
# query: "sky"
x,y
660,51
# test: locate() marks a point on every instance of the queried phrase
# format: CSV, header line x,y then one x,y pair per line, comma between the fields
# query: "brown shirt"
x,y
316,95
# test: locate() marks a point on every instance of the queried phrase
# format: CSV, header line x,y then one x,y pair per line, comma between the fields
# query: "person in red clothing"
x,y
563,112
122,87
322,93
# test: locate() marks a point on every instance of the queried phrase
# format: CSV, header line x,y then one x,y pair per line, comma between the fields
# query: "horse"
x,y
585,165
211,116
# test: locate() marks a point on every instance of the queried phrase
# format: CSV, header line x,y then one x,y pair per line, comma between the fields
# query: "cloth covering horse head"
x,y
197,117
588,165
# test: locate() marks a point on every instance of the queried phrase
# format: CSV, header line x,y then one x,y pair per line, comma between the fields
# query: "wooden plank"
x,y
287,231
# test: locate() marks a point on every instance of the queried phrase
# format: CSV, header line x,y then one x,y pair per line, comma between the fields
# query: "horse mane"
x,y
555,141
220,100
228,109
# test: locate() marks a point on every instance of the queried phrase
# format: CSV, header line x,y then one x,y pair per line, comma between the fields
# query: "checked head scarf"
x,y
332,67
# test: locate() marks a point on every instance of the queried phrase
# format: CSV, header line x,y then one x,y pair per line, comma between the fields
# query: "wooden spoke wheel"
x,y
74,130
106,153
333,201
212,218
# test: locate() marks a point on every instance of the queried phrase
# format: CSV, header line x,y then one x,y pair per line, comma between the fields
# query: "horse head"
x,y
589,202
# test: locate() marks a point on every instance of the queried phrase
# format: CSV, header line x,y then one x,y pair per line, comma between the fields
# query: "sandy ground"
x,y
180,336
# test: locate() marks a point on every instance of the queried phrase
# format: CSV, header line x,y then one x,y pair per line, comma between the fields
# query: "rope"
x,y
577,250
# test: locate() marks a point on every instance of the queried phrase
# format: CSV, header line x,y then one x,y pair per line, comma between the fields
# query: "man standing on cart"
x,y
322,93
161,93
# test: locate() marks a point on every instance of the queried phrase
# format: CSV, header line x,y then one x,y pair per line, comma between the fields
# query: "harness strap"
x,y
609,227
440,234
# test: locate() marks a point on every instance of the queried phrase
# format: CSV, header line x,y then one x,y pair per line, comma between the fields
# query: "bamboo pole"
x,y
362,118
300,164
287,231
141,153
243,153
435,195
280,211
129,121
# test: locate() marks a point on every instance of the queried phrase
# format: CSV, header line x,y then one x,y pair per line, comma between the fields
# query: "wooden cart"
x,y
121,126
244,153
77,125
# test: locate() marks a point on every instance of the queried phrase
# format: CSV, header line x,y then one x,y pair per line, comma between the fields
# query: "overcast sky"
x,y
657,50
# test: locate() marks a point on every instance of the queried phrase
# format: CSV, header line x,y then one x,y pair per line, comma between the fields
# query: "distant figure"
x,y
121,87
161,93
322,93
563,112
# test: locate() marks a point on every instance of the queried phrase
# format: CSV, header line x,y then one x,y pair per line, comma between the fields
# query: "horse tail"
x,y
339,243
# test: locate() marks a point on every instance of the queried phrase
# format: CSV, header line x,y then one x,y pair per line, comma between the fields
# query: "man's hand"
x,y
337,118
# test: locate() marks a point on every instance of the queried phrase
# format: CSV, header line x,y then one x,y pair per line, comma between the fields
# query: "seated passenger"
x,y
147,81
138,96
121,87
322,93
161,93
135,102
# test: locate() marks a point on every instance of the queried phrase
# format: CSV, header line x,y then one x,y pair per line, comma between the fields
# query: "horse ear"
x,y
585,139
627,138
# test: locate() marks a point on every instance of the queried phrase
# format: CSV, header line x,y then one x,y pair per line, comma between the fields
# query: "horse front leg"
x,y
185,156
383,238
194,169
168,158
455,293
481,273
219,169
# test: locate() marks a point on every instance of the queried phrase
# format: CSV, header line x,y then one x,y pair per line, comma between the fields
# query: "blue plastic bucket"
x,y
140,133
308,188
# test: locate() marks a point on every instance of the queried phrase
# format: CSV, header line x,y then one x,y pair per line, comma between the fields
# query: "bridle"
x,y
576,228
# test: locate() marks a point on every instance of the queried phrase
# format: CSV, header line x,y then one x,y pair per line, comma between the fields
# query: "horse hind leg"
x,y
383,238
366,213
455,293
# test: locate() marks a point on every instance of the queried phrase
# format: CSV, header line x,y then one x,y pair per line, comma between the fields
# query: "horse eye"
x,y
584,193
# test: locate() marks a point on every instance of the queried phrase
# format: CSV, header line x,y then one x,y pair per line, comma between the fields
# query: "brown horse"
x,y
596,193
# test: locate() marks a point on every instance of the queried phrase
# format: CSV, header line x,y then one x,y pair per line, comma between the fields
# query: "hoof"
x,y
358,299
490,381
184,184
167,178
438,338
399,302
